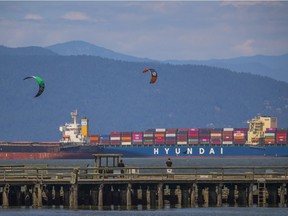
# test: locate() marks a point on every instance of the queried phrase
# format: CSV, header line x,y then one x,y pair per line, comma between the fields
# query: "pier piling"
x,y
193,195
73,198
100,196
73,187
5,196
219,195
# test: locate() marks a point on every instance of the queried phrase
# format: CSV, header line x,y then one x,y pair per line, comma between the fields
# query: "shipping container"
x,y
137,136
125,143
112,138
115,142
160,130
126,138
281,136
181,142
94,139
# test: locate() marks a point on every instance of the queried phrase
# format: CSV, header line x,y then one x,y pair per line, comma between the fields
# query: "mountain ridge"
x,y
27,51
275,67
85,48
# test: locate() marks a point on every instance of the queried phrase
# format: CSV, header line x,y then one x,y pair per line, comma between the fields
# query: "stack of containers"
x,y
148,137
94,139
216,136
115,138
159,136
239,135
104,139
171,136
137,138
204,136
126,138
193,137
227,136
281,136
182,136
270,136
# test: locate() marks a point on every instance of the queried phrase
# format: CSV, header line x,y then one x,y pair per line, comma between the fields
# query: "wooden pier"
x,y
151,187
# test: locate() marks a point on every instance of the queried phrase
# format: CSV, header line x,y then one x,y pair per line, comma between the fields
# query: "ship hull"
x,y
56,151
198,151
43,155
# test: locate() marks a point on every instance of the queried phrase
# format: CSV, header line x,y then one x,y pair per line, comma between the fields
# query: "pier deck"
x,y
128,186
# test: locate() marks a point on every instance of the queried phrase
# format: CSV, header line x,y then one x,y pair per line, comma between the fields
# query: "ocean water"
x,y
231,211
161,162
155,162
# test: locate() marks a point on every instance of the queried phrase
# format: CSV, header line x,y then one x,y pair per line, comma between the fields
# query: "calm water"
x,y
156,162
169,212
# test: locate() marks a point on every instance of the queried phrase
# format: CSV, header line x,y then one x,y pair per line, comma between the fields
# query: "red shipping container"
x,y
170,142
115,142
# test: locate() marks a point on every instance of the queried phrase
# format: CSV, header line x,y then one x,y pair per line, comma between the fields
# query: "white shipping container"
x,y
182,142
126,143
115,138
160,129
227,142
228,129
170,135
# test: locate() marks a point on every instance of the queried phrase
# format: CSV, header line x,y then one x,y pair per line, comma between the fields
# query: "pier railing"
x,y
44,173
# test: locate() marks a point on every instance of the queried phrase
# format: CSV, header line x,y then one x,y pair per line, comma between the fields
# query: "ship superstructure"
x,y
73,132
259,127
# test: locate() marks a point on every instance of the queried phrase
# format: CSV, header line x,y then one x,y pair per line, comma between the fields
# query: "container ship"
x,y
261,139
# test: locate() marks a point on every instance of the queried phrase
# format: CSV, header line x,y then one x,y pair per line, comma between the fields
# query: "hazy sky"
x,y
154,29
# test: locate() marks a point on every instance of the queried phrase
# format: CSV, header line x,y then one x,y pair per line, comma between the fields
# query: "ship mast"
x,y
74,116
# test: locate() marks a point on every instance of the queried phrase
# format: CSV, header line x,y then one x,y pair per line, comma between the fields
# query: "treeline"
x,y
117,96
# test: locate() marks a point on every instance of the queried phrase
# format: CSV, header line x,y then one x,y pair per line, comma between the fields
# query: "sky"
x,y
161,30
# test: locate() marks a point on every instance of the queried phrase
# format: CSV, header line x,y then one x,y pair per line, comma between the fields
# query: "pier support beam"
x,y
193,195
37,196
73,201
219,195
148,197
100,196
140,196
282,195
206,196
128,196
5,196
178,194
160,195
250,195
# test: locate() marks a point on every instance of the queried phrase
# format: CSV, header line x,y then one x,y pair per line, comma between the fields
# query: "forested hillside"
x,y
117,96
